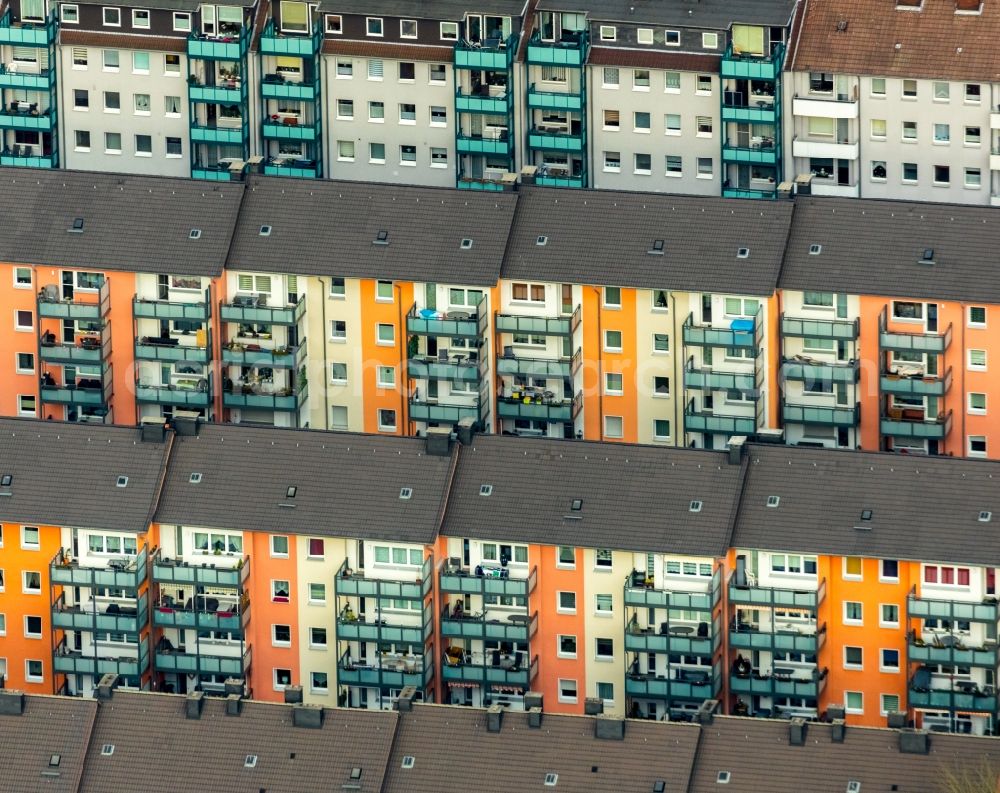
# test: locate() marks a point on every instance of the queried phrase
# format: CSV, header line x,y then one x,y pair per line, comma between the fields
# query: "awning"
x,y
462,684
507,689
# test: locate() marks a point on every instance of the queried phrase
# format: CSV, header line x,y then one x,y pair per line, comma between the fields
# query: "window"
x,y
279,545
407,28
709,41
605,649
112,143
973,136
603,604
345,69
70,15
566,602
449,31
977,446
977,316
376,153
33,671
878,87
877,128
704,84
29,538
854,702
22,278
946,575
374,69
319,682
25,363
704,167
888,616
853,658
672,82
338,373
110,60
889,661
973,94
407,113
31,582
174,147
910,172
282,678
640,79
345,109
942,92
942,174
385,334
889,703
172,105
567,691
374,26
566,646
613,341
81,99
387,377
80,58
644,35
704,126
852,568
172,65
909,89
33,627
280,591
439,116
672,124
942,133
24,320
612,120
888,570
973,178
376,112
383,291
612,297
566,556
140,18
141,104
281,635
878,171
977,403
610,77
612,161
338,330
977,360
853,612
640,122
608,33
317,594
909,130
3,628
530,293
661,343
182,21
338,288
217,542
112,18
661,429
407,155
603,558
793,564
661,386
112,102
672,567
438,73
386,420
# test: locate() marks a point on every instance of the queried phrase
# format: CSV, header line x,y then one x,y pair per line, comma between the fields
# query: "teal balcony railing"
x,y
219,48
569,50
232,620
779,684
348,583
538,326
455,324
519,676
416,671
127,572
821,415
820,328
738,65
249,309
479,627
97,618
776,597
305,45
175,661
441,411
96,663
489,55
917,386
206,574
686,685
27,34
489,583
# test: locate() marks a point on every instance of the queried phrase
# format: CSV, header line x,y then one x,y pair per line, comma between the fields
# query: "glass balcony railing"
x,y
168,309
517,676
181,573
953,610
250,309
435,369
821,415
133,663
783,640
967,698
779,684
100,618
515,628
819,328
687,685
234,621
917,386
565,48
554,410
416,671
456,324
127,572
805,599
488,581
348,583
538,326
898,424
815,371
168,660
439,411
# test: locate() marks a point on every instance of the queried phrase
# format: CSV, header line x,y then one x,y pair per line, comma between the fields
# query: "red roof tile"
x,y
122,41
651,59
375,49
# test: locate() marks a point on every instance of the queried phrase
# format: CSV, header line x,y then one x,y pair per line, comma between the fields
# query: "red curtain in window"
x,y
930,575
963,576
315,547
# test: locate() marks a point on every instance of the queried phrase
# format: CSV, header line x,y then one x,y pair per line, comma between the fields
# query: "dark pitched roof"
x,y
718,14
48,726
923,508
634,497
604,237
654,59
158,750
82,490
132,223
331,227
758,756
934,42
872,248
347,485
518,758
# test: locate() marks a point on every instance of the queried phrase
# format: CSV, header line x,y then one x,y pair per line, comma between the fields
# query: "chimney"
x,y
533,699
914,742
609,728
233,705
837,731
153,429
106,686
186,422
896,720
465,429
494,718
404,702
11,702
736,446
193,703
438,441
233,685
593,706
535,718
834,712
293,695
308,716
797,732
706,712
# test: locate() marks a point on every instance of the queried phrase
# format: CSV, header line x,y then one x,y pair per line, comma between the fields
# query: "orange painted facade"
x,y
552,579
375,312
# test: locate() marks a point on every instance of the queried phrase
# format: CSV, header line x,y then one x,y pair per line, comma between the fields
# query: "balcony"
x,y
736,65
125,572
72,662
560,177
494,102
177,661
819,328
81,310
742,333
776,597
456,324
824,108
471,144
92,352
113,618
278,88
289,129
739,192
84,393
754,109
570,50
440,411
478,627
288,400
543,140
181,573
219,48
782,683
826,149
492,669
816,371
702,421
305,45
435,369
538,326
157,348
749,636
238,354
538,367
568,101
12,159
951,695
932,343
916,386
675,639
247,309
648,598
952,610
490,55
555,409
27,34
899,424
760,154
195,397
225,136
395,673
219,173
821,415
348,583
715,380
233,620
486,581
294,168
689,685
26,81
215,94
168,309
948,649
352,628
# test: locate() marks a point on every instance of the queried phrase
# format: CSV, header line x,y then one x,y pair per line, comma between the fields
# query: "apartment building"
x,y
892,352
897,119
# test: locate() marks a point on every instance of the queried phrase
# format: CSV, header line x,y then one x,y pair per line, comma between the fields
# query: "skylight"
x,y
108,749
577,504
695,506
195,478
405,493
54,760
250,761
409,761
773,501
291,491
541,239
6,480
265,231
466,244
866,514
122,481
985,516
723,778
551,779
355,773
486,490
195,234
382,238
77,226
657,248
814,250
743,253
